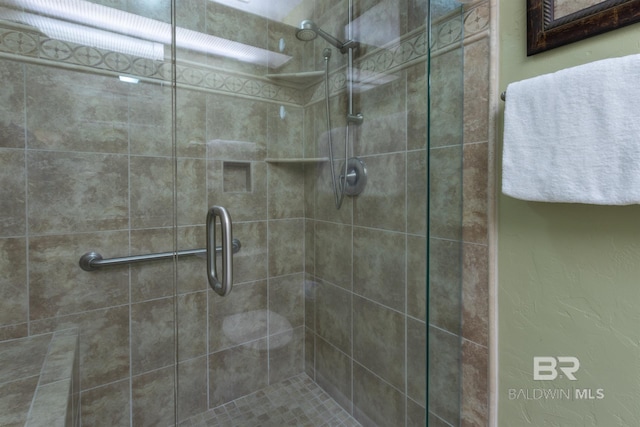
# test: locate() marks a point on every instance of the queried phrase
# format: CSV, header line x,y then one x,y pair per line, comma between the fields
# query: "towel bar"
x,y
92,260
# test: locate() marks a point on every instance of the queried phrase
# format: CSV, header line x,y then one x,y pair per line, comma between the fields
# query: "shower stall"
x,y
124,123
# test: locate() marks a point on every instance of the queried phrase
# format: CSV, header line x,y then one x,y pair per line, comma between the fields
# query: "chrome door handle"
x,y
222,287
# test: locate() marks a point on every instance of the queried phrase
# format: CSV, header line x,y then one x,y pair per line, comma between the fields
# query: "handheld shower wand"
x,y
353,178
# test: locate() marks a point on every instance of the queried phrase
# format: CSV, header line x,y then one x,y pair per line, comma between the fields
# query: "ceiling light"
x,y
119,31
128,79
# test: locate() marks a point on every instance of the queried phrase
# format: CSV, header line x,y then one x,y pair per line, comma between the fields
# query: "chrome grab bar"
x,y
222,287
92,261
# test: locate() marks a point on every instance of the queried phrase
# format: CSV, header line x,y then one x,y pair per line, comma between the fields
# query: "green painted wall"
x,y
568,275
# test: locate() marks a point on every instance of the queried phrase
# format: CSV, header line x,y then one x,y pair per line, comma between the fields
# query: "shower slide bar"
x,y
92,261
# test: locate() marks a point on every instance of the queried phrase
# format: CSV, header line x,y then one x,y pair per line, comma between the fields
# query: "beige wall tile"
x,y
416,360
476,92
444,375
286,304
333,253
77,192
192,388
92,118
375,402
12,104
445,192
107,404
239,317
445,284
379,341
475,387
286,351
151,192
238,371
475,193
152,329
379,266
192,325
475,294
417,192
286,191
333,316
14,293
12,193
67,289
386,186
285,256
333,372
152,397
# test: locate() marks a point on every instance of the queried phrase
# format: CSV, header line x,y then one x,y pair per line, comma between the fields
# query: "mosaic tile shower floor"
x,y
296,401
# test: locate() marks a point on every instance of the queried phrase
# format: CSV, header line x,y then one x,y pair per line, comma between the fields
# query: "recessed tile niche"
x,y
237,177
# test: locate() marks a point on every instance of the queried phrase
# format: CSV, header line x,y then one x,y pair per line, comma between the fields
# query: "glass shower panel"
x,y
232,117
87,165
327,315
123,122
365,314
445,214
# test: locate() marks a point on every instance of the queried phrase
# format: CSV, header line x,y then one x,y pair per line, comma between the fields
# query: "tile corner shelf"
x,y
298,160
299,79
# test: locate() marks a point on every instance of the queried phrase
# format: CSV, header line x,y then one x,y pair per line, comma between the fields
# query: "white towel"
x,y
574,135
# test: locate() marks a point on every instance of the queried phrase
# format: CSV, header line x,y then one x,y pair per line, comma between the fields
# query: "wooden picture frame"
x,y
549,27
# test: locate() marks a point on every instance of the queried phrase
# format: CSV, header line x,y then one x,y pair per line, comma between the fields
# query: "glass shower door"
x,y
230,117
88,166
123,122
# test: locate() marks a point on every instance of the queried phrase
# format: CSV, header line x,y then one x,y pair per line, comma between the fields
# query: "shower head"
x,y
308,31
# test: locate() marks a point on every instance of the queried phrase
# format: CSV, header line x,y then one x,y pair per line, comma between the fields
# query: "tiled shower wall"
x,y
477,155
365,314
87,164
460,320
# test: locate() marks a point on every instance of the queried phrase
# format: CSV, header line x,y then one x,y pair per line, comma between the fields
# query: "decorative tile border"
x,y
452,30
22,44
